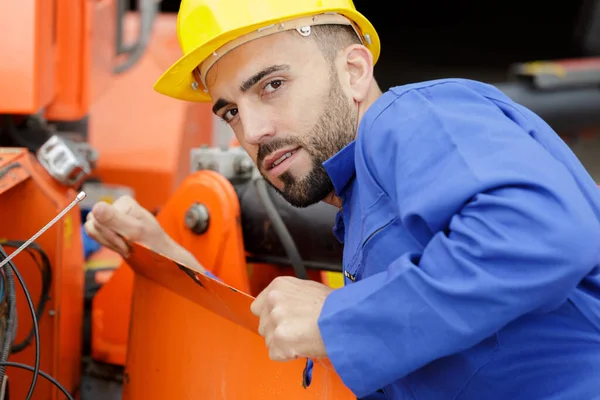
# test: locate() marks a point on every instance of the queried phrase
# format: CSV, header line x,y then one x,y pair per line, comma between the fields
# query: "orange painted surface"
x,y
204,342
29,190
143,138
85,51
111,312
220,249
144,142
51,60
28,58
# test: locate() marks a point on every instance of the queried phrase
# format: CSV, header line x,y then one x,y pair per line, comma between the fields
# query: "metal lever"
x,y
77,199
148,10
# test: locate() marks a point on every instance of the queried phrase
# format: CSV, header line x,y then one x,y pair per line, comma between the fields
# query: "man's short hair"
x,y
333,38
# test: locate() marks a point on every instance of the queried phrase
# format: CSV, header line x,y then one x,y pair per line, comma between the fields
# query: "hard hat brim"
x,y
178,80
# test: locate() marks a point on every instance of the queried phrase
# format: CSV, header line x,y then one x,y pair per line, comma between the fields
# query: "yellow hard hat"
x,y
208,29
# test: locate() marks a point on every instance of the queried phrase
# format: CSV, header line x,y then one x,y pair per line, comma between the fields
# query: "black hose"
x,y
284,235
46,276
42,373
11,302
36,368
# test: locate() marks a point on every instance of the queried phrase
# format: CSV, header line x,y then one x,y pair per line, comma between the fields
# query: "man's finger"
x,y
276,353
92,232
128,206
110,217
106,237
117,242
259,303
264,322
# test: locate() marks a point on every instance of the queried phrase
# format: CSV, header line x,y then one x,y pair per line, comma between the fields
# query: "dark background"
x,y
476,39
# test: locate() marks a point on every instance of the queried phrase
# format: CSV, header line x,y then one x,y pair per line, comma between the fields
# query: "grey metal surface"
x,y
100,381
233,163
93,388
568,111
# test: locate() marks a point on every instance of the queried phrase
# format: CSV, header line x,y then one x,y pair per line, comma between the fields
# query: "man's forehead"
x,y
257,54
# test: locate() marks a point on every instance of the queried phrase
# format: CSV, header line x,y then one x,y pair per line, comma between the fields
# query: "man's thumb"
x,y
115,220
103,212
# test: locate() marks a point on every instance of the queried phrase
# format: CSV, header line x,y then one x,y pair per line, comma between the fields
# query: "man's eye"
x,y
229,114
273,85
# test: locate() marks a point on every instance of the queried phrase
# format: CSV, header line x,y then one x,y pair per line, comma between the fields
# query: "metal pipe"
x,y
568,111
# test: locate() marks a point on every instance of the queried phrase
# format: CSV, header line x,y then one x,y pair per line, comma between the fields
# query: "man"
x,y
471,232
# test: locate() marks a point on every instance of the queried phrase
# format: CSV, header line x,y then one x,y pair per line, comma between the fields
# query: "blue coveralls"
x,y
471,249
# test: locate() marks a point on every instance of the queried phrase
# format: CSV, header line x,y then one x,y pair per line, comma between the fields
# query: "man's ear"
x,y
358,67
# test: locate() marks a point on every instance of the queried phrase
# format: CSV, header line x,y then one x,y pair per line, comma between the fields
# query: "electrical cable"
x,y
2,287
42,373
46,276
288,244
284,235
36,368
11,302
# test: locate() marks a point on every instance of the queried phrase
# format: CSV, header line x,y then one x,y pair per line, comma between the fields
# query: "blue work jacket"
x,y
471,252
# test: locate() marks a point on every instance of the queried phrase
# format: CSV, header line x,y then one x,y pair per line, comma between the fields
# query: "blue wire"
x,y
2,288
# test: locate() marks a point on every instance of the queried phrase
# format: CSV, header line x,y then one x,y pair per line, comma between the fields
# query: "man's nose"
x,y
257,126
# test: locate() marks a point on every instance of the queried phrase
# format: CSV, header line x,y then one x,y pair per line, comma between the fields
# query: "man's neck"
x,y
333,200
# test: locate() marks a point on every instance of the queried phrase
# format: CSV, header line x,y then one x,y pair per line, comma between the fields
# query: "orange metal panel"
x,y
28,55
28,189
111,313
143,138
220,249
103,36
204,342
73,19
85,53
46,55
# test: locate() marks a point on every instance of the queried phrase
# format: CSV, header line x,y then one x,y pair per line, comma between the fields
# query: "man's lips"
x,y
278,157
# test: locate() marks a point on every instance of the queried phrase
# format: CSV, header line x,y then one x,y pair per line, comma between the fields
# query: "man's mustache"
x,y
273,145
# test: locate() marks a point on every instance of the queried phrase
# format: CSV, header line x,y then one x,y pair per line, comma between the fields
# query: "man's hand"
x,y
289,309
109,224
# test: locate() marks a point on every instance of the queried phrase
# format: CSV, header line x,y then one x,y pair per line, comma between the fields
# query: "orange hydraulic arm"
x,y
187,351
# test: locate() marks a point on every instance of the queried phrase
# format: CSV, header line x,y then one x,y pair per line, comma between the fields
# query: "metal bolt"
x,y
243,165
196,218
304,31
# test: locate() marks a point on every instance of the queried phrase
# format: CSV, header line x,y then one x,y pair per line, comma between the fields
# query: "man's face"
x,y
288,110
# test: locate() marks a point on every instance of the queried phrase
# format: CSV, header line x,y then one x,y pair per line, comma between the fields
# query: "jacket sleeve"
x,y
505,231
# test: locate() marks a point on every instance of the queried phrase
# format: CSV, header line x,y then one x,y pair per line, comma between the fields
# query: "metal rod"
x,y
77,199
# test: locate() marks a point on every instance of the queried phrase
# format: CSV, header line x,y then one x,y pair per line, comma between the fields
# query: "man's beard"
x,y
334,130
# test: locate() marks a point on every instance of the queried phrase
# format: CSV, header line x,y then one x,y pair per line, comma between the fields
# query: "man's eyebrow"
x,y
248,83
218,105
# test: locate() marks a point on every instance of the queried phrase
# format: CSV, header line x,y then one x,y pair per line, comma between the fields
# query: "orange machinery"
x,y
48,59
65,94
174,341
60,58
65,100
